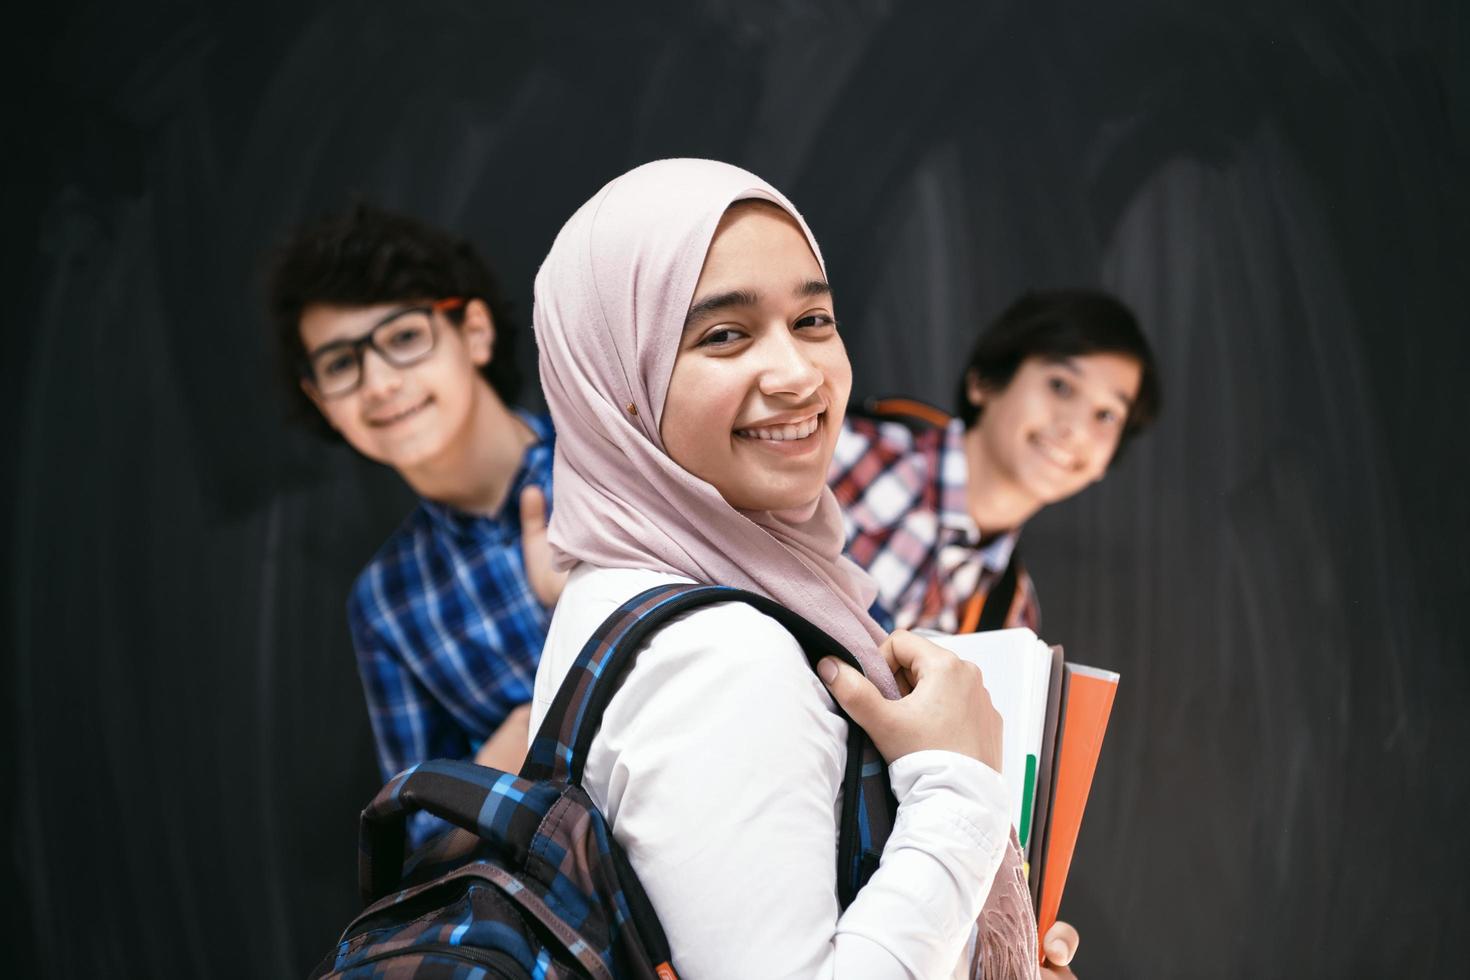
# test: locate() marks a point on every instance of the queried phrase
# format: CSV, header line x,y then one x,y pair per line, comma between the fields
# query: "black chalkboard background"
x,y
1278,570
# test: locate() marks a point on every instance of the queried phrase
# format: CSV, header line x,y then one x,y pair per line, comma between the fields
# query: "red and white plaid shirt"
x,y
904,509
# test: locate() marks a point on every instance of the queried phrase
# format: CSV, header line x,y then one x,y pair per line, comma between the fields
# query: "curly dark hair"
x,y
1059,323
365,256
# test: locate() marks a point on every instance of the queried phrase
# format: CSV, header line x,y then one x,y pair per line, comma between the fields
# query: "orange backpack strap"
x,y
989,609
910,411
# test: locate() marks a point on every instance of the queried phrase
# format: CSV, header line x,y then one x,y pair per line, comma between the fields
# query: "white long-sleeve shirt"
x,y
719,768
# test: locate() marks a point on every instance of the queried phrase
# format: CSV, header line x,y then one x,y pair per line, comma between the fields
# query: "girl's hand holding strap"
x,y
945,705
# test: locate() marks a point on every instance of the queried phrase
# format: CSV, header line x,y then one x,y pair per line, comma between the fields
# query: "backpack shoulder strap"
x,y
1000,597
559,750
917,415
495,806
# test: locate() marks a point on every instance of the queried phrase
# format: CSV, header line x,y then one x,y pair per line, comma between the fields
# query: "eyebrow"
x,y
719,302
813,287
1070,365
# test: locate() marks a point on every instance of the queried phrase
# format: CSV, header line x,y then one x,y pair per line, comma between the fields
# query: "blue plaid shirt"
x,y
447,630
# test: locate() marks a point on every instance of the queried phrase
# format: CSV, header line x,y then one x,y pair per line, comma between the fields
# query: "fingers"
x,y
1060,943
900,676
850,689
912,654
916,657
948,707
533,510
542,576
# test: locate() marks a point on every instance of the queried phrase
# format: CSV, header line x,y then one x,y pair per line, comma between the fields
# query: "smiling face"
x,y
761,380
403,417
1054,428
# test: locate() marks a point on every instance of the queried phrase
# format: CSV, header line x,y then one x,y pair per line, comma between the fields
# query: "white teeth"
x,y
782,433
400,416
1057,455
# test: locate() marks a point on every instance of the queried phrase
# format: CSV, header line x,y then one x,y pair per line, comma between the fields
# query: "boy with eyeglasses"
x,y
395,338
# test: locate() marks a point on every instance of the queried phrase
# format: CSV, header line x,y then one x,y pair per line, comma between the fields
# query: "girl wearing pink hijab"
x,y
692,364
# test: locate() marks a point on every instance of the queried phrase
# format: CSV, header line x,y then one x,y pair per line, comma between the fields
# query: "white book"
x,y
1018,668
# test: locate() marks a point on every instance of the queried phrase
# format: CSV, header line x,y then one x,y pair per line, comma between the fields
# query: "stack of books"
x,y
1055,715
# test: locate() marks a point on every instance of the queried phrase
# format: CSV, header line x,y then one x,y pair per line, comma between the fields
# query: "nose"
x,y
1062,424
379,378
1068,420
787,368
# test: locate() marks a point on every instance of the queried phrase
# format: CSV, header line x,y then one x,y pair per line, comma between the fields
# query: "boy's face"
x,y
403,417
1054,428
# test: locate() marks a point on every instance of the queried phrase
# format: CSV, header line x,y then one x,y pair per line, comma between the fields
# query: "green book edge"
x,y
1028,790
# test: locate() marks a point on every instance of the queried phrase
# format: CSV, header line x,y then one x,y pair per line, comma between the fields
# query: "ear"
x,y
478,332
316,399
974,390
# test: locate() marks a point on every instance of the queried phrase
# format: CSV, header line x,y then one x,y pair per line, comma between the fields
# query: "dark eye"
x,y
406,337
337,364
815,320
1060,386
719,337
1107,416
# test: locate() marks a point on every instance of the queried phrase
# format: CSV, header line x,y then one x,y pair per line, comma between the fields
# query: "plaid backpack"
x,y
531,884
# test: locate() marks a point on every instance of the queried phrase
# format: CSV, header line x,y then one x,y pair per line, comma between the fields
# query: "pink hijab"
x,y
611,299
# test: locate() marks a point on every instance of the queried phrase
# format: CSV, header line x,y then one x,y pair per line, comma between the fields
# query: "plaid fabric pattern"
x,y
907,522
446,628
609,651
559,751
532,883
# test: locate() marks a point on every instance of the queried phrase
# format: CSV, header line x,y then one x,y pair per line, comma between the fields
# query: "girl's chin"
x,y
789,498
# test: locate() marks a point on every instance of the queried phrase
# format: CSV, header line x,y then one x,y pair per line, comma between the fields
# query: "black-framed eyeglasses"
x,y
401,338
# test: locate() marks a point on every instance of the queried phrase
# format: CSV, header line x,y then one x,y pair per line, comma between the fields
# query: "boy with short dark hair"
x,y
395,338
1052,392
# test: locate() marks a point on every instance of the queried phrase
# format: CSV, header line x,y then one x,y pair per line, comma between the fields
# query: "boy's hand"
x,y
545,581
1060,945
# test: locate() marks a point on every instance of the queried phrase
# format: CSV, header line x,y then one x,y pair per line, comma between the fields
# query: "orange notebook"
x,y
1087,701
